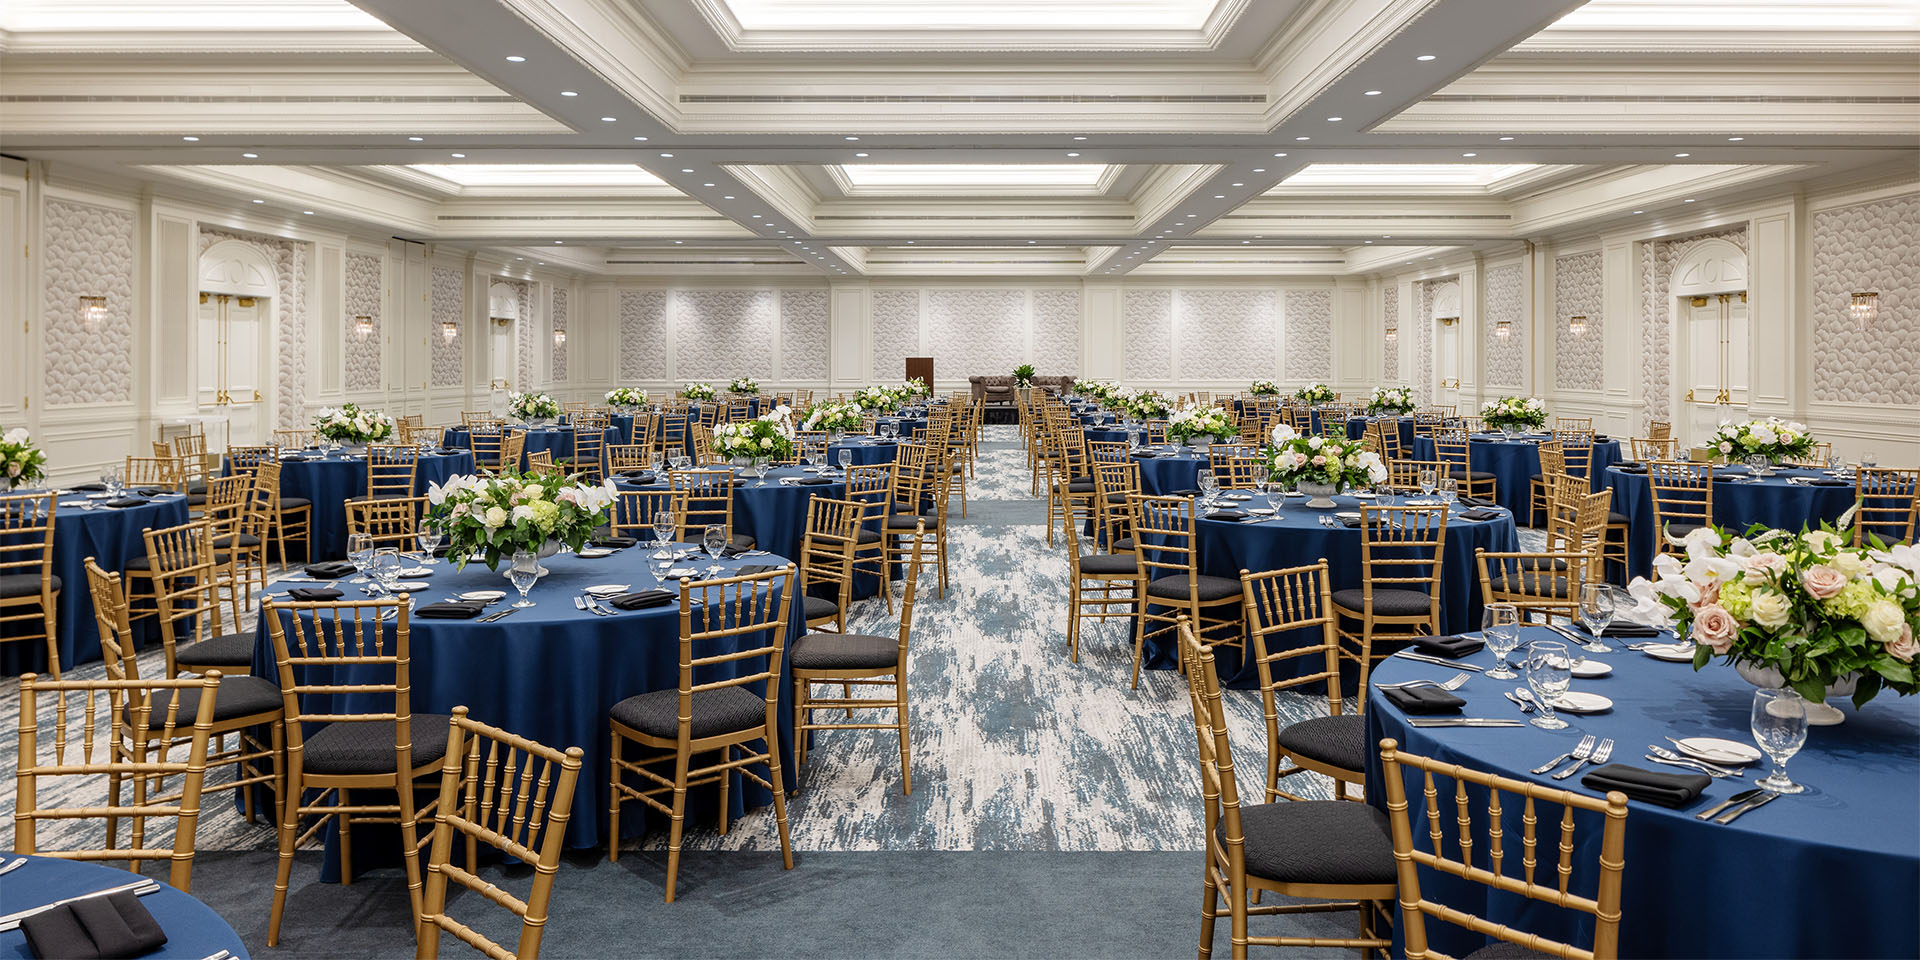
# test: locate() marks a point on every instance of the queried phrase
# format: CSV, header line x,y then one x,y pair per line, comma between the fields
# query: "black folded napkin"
x,y
1630,630
293,458
886,443
730,551
151,491
450,610
1351,522
1231,513
331,570
814,481
1829,482
754,569
1726,478
89,487
1480,513
642,599
1146,454
637,476
1630,465
1478,502
1453,648
314,594
442,550
1665,789
1422,699
613,543
1183,492
116,925
128,502
1601,438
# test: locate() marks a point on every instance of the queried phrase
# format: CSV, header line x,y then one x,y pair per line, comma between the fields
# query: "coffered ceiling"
x,y
1078,137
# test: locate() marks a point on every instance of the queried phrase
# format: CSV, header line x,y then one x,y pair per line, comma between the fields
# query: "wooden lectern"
x,y
921,367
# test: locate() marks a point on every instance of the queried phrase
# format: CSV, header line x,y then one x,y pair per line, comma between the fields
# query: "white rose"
x,y
1820,541
1315,443
1850,563
1726,447
494,518
521,512
1770,609
1885,621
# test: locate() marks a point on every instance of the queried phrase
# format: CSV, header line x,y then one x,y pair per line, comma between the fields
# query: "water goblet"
x,y
1449,491
714,540
1428,480
1209,486
385,567
1597,607
1500,625
1869,459
1780,728
524,573
1261,482
429,540
655,460
1549,674
359,550
846,460
663,524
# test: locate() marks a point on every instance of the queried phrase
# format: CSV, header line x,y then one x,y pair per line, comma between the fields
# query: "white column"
x,y
1102,330
849,318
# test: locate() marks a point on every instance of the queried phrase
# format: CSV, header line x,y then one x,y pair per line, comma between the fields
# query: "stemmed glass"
x,y
359,550
681,461
1449,491
1209,486
1261,482
1869,459
1428,480
1597,608
1780,728
655,460
111,480
429,541
524,573
846,460
1500,625
1549,674
385,567
663,524
714,540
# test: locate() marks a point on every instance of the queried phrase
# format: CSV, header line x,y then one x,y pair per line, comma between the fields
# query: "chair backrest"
x,y
1580,424
1660,429
871,484
514,795
1385,434
1553,459
1682,495
589,441
1117,484
629,456
1168,524
393,522
709,499
673,432
191,448
541,462
1224,835
729,607
917,488
391,468
1235,465
1278,603
334,653
828,545
1509,805
26,536
1545,582
700,439
811,446
1576,451
249,459
485,443
294,438
513,446
646,427
187,580
132,714
266,499
1577,516
227,501
155,472
1404,475
633,511
113,622
469,417
1454,447
1653,448
1887,503
1401,548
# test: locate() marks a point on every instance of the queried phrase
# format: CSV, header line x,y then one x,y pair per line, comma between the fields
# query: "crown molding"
x,y
1086,38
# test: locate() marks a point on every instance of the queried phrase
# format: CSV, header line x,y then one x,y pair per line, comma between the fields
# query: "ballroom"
x,y
915,478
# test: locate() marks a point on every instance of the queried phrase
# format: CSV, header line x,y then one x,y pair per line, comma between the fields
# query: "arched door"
x,y
503,343
1708,292
236,330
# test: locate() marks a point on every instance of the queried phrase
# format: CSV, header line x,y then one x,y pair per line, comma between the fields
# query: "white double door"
x,y
235,365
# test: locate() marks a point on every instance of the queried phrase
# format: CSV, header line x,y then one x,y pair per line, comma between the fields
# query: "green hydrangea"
x,y
1737,598
1852,600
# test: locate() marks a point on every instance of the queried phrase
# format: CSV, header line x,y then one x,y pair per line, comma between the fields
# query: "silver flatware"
x,y
1705,767
221,955
1451,683
1526,706
1581,749
1754,804
1741,797
1600,755
1438,661
1687,765
139,888
1463,722
489,618
12,866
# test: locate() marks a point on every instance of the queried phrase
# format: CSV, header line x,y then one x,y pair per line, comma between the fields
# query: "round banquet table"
x,y
1357,428
1832,872
1738,503
551,672
330,481
1169,470
556,440
193,930
865,450
1515,462
112,536
1296,538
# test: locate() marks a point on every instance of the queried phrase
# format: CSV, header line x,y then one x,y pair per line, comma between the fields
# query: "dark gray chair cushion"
x,y
817,607
1110,565
1390,603
231,652
294,503
1210,588
844,651
1082,485
744,541
25,585
1339,741
246,540
353,749
1316,841
1477,476
241,696
869,536
1124,544
1618,518
1506,951
726,710
905,522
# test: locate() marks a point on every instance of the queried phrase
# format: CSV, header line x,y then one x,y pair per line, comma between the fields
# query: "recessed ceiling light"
x,y
909,241
460,155
259,201
1239,184
1469,154
1639,211
641,139
307,212
1372,93
706,184
190,139
1246,241
1072,154
1259,169
519,258
1386,236
1033,241
559,241
1506,138
516,59
1735,139
686,169
608,119
1279,154
726,198
859,154
251,156
1219,196
1678,155
568,93
1335,119
1688,200
851,138
667,155
416,139
679,241
539,263
1424,57
1079,138
1367,241
1299,138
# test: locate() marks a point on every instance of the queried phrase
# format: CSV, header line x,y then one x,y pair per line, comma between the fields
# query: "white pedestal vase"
x,y
1818,714
1320,495
547,549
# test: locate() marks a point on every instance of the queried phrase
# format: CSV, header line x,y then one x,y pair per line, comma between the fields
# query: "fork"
x,y
1526,706
1600,755
1451,683
1581,749
1705,767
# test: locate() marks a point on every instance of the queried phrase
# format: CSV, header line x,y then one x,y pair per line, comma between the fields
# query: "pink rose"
x,y
1822,581
1765,563
1709,594
1905,647
1319,461
1715,627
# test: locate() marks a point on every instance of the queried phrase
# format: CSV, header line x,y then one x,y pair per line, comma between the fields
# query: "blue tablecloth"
x,y
193,930
1357,428
1515,462
1170,473
864,450
1833,872
331,481
551,673
1736,505
112,536
556,440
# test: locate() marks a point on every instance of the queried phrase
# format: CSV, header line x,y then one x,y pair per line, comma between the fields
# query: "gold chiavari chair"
x,y
1817,457
1887,504
672,436
710,412
487,443
541,462
856,660
287,517
1660,429
1169,578
1404,475
1490,868
826,560
1546,583
634,510
739,410
76,734
1427,423
512,451
517,806
743,622
574,408
293,439
1577,519
625,456
245,702
1575,424
326,652
1070,486
245,540
1653,448
1235,465
872,485
589,443
1278,603
191,448
1385,434
1100,586
1682,501
1455,447
709,497
645,430
188,575
1576,452
1333,852
1553,463
248,459
700,441
392,470
392,522
29,590
918,511
811,446
1401,555
227,499
155,472
470,417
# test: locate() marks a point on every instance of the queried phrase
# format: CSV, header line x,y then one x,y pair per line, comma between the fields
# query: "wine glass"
x,y
655,460
385,567
663,524
1549,674
846,460
681,461
714,540
1597,607
1780,728
429,541
1428,480
359,550
1449,491
1869,459
1756,464
1260,484
1208,485
1500,625
524,573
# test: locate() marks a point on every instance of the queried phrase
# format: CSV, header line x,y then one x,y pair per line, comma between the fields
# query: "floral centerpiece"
x,y
878,398
1395,401
697,391
1141,404
1514,414
917,388
834,416
1023,376
501,515
768,437
1190,423
1317,394
626,397
25,463
1087,388
532,407
1321,465
746,386
1264,388
348,423
1806,611
1769,437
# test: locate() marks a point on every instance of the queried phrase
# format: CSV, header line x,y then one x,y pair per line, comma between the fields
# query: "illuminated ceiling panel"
x,y
1746,15
201,15
1404,174
973,15
540,174
1084,176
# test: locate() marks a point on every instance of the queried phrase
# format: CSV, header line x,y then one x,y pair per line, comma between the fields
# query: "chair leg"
x,y
1237,902
346,839
1073,620
940,538
289,821
410,849
900,708
779,794
613,804
726,781
49,612
1209,908
679,820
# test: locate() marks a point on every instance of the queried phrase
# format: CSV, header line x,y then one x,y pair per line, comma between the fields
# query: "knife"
x,y
1753,804
1741,797
489,618
1463,722
1423,658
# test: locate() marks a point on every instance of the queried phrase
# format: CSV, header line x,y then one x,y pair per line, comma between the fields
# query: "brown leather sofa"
x,y
999,390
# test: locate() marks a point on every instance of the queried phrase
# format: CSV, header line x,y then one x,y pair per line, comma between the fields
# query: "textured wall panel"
x,y
524,361
1657,258
1056,332
1309,348
803,335
975,331
1227,334
1148,328
723,334
557,321
896,332
643,335
447,302
1506,359
1579,362
291,265
1390,352
1867,247
363,300
1423,328
88,251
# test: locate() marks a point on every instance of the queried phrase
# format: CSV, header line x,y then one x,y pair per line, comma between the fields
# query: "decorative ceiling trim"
x,y
1085,37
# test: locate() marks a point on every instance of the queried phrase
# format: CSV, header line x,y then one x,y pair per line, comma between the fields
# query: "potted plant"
x,y
1023,380
349,423
1189,424
626,398
25,463
498,516
1762,443
1512,415
1321,466
1390,401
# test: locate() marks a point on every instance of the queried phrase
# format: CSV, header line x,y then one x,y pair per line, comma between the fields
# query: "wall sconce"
x,y
1864,308
559,338
93,311
1577,325
502,321
1503,329
1393,334
363,326
448,330
1448,321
